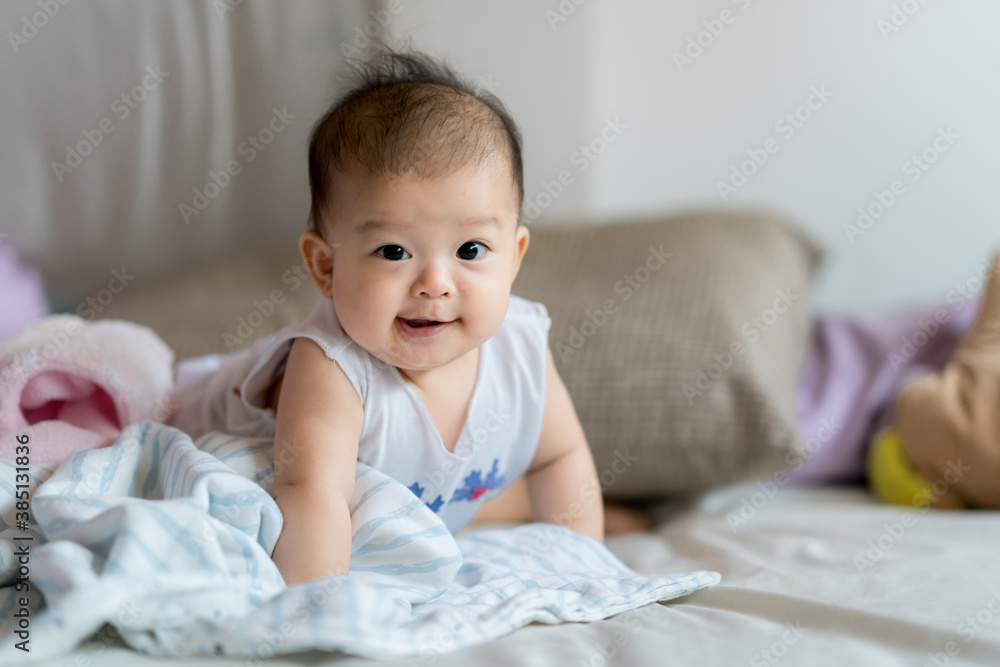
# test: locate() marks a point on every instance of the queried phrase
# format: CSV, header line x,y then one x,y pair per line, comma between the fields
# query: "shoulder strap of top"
x,y
322,327
531,313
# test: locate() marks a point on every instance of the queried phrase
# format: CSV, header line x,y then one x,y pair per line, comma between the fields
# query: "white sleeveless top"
x,y
497,442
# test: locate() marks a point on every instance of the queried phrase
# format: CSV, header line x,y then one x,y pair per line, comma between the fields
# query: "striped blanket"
x,y
168,540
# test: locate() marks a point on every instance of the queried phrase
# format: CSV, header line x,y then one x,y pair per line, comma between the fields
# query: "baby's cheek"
x,y
490,318
356,324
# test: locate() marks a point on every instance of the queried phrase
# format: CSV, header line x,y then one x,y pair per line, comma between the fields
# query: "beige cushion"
x,y
646,344
223,307
661,414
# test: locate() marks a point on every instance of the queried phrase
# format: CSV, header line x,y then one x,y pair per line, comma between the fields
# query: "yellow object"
x,y
890,475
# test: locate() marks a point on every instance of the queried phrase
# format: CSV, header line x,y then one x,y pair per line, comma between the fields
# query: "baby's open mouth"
x,y
423,323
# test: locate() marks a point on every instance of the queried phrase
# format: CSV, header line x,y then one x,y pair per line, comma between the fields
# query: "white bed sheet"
x,y
797,589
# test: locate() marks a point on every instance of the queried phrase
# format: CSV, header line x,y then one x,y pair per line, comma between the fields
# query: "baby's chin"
x,y
407,364
419,355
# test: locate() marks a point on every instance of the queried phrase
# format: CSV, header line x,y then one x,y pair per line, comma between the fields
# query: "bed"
x,y
816,576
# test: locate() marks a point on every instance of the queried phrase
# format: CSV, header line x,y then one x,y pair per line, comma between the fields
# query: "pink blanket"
x,y
70,384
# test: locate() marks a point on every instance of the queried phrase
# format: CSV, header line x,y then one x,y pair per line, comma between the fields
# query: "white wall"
x,y
686,129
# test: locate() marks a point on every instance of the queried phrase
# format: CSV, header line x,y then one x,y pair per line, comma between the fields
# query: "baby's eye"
x,y
392,252
472,250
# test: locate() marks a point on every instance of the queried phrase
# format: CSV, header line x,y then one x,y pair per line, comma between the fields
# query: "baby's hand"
x,y
562,480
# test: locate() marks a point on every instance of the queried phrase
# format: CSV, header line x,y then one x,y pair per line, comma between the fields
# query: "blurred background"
x,y
146,138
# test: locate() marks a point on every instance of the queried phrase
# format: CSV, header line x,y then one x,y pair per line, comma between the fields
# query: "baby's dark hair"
x,y
409,114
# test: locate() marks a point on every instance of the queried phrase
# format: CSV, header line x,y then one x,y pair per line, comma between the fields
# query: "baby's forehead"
x,y
361,185
429,163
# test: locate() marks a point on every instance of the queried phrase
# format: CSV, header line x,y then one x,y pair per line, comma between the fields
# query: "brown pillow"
x,y
680,342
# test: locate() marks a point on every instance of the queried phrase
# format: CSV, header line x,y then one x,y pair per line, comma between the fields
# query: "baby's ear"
x,y
521,238
319,261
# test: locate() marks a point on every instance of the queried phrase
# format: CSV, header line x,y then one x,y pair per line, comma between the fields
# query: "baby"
x,y
417,360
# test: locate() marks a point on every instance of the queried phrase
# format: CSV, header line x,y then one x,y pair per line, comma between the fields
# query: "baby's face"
x,y
444,250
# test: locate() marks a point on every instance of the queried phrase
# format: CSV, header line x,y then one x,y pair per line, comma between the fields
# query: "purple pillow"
x,y
22,292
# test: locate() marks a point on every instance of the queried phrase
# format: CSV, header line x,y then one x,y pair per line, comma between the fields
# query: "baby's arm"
x,y
562,480
318,426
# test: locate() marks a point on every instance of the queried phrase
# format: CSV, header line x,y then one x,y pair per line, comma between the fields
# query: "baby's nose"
x,y
434,281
